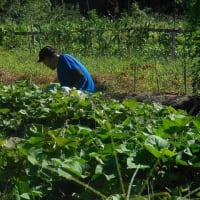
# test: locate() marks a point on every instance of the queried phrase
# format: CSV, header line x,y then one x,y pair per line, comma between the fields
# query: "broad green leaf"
x,y
37,193
137,197
167,152
99,169
187,151
196,122
196,164
32,153
122,148
23,187
11,142
84,130
175,124
132,165
116,197
45,110
130,103
157,106
97,156
2,162
128,122
61,141
108,148
6,122
71,165
176,121
35,140
195,151
2,141
179,159
181,162
156,142
23,112
25,196
118,134
153,150
45,163
109,176
197,194
32,159
64,174
37,129
4,110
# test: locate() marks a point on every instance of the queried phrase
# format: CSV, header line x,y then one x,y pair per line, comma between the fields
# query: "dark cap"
x,y
47,51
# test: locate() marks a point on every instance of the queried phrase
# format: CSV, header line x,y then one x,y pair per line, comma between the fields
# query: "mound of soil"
x,y
121,90
189,103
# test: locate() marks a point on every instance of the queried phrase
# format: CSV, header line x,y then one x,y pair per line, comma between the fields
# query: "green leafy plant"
x,y
56,146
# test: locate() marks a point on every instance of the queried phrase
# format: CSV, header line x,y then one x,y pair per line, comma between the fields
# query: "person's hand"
x,y
66,89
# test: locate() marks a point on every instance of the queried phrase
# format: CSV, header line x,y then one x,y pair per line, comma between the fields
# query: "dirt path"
x,y
7,77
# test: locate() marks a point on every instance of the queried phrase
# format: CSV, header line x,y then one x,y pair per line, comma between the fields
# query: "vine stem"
x,y
192,192
118,168
157,195
103,197
149,175
131,182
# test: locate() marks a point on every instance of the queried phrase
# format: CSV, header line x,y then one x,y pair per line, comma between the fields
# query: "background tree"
x,y
10,9
193,40
35,11
25,10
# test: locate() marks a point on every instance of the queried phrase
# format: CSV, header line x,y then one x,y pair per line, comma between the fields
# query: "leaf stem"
x,y
131,182
149,175
192,192
157,194
118,168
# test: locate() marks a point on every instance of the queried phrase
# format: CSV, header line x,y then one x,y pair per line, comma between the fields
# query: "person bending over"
x,y
70,71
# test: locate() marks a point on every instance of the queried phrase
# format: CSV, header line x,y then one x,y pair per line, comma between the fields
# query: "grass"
x,y
18,60
132,74
21,61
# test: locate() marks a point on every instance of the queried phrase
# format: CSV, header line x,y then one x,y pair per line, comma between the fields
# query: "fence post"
x,y
184,71
174,33
32,37
174,44
29,41
129,43
40,40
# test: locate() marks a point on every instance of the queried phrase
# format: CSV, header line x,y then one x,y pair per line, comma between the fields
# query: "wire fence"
x,y
105,41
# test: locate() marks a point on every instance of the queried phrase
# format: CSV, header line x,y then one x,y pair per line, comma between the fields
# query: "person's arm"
x,y
77,76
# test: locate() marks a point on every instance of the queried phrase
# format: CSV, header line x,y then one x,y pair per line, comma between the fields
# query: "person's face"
x,y
49,62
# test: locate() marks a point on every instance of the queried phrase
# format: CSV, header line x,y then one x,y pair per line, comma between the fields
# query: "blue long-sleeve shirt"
x,y
65,67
